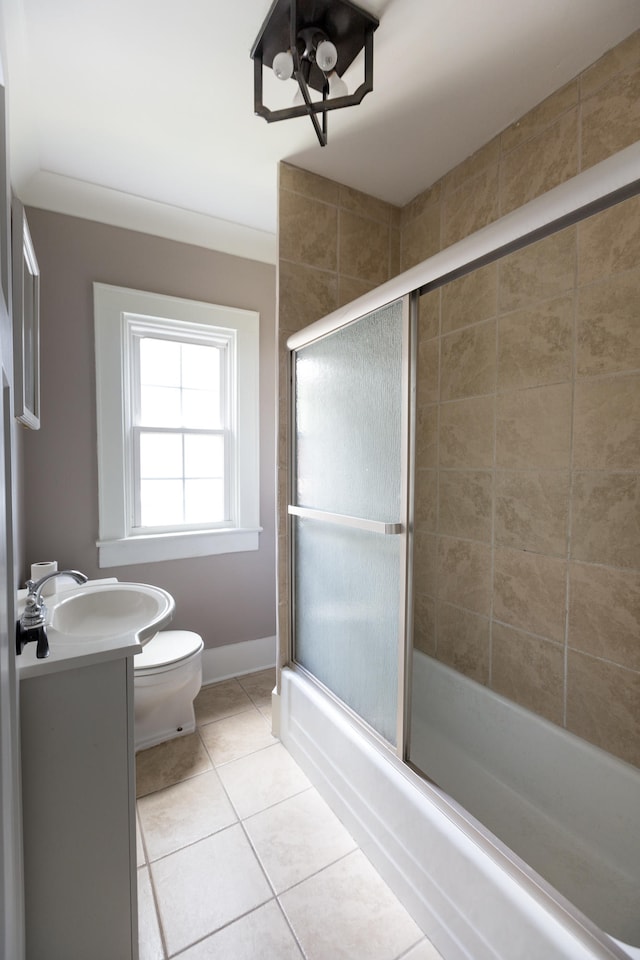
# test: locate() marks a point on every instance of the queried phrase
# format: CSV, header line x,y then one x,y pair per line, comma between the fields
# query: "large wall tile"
x,y
468,362
605,524
487,156
529,592
424,624
305,295
463,641
416,207
364,205
608,328
429,315
614,61
428,389
350,288
395,252
426,499
609,242
532,511
425,563
603,705
421,237
541,117
309,184
606,433
528,670
465,501
604,613
467,433
540,271
611,117
471,206
364,248
540,164
464,574
533,428
535,345
308,231
470,299
427,436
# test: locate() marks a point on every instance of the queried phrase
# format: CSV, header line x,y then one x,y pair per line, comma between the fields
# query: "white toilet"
x,y
167,679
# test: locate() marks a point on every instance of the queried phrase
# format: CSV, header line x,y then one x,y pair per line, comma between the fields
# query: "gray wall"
x,y
226,598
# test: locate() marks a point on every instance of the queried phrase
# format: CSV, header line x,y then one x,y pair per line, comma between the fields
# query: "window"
x,y
177,408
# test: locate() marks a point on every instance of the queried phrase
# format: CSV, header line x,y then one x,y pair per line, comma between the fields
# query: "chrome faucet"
x,y
32,623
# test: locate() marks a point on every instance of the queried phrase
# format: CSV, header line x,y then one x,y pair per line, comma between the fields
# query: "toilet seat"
x,y
165,650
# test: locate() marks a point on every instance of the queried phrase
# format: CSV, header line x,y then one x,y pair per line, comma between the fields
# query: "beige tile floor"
x,y
239,858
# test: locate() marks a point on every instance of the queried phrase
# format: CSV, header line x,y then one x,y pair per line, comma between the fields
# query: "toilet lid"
x,y
168,646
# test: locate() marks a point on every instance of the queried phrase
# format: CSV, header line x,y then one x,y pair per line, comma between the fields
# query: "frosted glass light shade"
x,y
283,65
337,86
326,55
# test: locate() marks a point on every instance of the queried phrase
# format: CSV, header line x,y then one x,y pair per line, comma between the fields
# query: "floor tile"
x,y
296,838
169,763
237,736
184,813
207,885
219,700
262,779
149,940
259,686
140,855
261,935
423,951
348,911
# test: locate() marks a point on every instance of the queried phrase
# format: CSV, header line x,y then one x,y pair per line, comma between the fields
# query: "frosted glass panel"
x,y
347,586
348,419
347,581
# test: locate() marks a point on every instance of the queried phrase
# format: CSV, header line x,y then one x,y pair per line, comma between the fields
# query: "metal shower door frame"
x,y
402,527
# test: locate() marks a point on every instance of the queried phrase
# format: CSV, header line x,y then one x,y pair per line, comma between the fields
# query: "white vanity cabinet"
x,y
78,786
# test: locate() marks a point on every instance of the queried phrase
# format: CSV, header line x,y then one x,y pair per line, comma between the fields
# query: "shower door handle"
x,y
356,523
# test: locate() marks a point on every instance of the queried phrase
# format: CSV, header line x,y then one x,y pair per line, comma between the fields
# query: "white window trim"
x,y
117,543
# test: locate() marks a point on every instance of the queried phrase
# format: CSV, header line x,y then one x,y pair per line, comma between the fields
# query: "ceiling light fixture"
x,y
313,42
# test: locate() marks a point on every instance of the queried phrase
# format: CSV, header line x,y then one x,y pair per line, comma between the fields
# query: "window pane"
x,y
160,406
200,366
161,503
201,409
159,362
160,455
204,501
203,457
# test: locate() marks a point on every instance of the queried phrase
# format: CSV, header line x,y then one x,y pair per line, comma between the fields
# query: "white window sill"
x,y
175,546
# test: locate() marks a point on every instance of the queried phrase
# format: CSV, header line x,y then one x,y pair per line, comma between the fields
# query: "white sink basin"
x,y
96,611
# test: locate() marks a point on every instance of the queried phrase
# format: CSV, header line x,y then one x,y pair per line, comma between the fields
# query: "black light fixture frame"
x,y
347,26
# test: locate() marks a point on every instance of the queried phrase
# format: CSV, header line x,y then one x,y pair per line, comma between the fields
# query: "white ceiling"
x,y
118,106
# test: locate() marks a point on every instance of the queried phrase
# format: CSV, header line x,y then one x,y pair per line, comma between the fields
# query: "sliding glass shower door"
x,y
349,513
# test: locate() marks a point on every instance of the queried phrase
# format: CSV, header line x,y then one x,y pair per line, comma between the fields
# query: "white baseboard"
x,y
236,659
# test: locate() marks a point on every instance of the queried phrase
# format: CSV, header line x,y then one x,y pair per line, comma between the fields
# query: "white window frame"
x,y
117,312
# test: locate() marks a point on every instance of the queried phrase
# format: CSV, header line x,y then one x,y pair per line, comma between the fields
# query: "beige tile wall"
x,y
528,479
335,244
528,441
587,120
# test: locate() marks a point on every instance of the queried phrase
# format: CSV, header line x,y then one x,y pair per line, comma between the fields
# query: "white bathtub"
x,y
568,809
469,893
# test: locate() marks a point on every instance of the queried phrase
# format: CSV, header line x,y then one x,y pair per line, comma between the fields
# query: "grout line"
x,y
284,916
156,906
240,822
